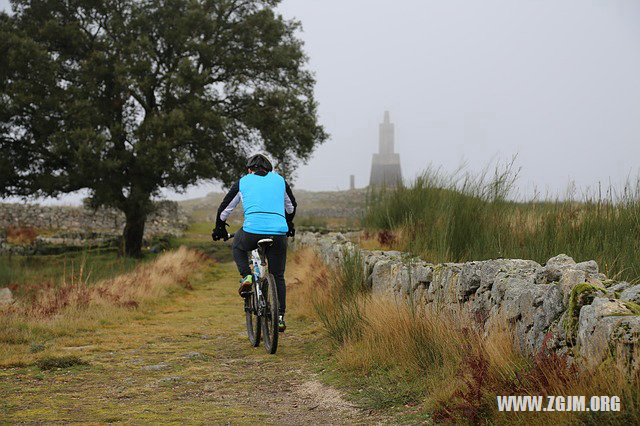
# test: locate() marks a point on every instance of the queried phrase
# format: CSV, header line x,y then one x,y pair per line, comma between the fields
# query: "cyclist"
x,y
269,207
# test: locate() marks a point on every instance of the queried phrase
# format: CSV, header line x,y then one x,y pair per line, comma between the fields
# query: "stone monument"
x,y
385,167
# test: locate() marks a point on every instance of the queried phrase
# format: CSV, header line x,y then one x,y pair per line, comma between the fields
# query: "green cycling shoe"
x,y
245,285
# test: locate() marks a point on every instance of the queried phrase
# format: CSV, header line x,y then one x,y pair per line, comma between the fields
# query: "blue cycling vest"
x,y
263,204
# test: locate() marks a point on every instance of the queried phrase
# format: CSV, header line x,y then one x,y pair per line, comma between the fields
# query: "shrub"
x,y
21,234
53,362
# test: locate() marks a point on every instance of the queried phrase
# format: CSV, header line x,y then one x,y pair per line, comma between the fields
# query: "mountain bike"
x,y
261,304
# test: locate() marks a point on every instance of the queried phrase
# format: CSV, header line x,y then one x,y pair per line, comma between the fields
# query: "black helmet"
x,y
259,162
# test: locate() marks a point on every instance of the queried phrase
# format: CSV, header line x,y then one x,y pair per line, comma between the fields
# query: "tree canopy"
x,y
126,97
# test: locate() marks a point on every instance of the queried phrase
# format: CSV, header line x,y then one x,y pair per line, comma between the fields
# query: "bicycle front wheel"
x,y
270,318
253,321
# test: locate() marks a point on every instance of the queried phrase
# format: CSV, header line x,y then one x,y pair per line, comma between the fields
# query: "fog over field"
x,y
553,81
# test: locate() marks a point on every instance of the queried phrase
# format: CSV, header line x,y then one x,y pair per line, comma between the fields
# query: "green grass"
x,y
198,236
377,390
463,217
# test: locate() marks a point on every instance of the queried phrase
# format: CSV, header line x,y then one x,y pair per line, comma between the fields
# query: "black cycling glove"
x,y
292,230
220,231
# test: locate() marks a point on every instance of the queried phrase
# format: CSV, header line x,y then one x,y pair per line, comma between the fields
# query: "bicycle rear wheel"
x,y
270,318
253,321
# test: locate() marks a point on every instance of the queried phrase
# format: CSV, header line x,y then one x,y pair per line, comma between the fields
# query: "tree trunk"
x,y
133,232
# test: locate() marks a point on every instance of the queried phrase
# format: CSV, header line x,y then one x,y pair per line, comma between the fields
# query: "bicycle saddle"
x,y
265,242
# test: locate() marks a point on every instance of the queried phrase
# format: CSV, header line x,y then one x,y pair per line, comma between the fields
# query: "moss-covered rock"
x,y
608,328
632,306
582,294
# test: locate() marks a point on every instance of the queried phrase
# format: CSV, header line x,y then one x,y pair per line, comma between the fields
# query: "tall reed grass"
x,y
461,217
340,307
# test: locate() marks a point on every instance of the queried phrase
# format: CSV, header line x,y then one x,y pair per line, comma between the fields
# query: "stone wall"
x,y
562,306
168,219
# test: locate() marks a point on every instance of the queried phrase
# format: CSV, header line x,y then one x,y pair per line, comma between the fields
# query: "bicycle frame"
x,y
257,263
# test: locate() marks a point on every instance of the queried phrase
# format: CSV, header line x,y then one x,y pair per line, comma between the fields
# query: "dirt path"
x,y
188,361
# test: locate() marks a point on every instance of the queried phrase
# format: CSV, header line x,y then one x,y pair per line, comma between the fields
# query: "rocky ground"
x,y
187,361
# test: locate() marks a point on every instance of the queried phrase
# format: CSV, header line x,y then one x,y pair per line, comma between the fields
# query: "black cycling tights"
x,y
244,242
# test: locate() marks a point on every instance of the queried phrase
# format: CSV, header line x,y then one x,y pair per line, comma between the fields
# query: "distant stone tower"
x,y
385,167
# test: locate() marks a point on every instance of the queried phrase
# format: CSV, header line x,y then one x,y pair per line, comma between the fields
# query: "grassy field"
x,y
182,357
461,218
28,326
25,275
74,347
60,295
163,342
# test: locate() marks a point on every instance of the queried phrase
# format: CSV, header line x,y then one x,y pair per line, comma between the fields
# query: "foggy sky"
x,y
553,81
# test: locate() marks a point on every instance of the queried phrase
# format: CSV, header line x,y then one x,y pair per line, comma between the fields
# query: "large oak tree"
x,y
126,97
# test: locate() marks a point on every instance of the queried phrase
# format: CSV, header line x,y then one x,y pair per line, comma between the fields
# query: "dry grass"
x,y
437,359
379,240
146,282
308,280
76,305
21,234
